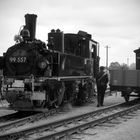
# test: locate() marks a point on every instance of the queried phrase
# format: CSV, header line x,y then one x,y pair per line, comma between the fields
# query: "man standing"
x,y
101,80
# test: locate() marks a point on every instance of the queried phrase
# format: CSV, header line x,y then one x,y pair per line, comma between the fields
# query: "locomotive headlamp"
x,y
42,65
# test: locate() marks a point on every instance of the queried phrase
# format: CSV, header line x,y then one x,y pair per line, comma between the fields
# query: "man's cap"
x,y
102,68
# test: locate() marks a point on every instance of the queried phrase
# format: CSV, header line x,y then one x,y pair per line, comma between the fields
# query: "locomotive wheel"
x,y
59,94
82,94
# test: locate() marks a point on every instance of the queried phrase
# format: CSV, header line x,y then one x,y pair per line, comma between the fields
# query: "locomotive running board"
x,y
66,78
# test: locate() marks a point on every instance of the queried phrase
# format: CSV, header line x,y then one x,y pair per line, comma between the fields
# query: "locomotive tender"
x,y
37,76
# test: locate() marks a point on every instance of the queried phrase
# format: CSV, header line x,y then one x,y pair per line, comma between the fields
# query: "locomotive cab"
x,y
76,53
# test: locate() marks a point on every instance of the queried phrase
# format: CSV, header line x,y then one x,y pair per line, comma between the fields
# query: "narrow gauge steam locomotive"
x,y
127,81
37,76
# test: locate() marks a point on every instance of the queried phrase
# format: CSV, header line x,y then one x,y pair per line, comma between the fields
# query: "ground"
x,y
126,130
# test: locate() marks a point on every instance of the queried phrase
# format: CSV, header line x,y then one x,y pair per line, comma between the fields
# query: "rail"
x,y
79,122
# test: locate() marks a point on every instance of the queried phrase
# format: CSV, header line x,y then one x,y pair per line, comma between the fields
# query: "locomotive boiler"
x,y
37,76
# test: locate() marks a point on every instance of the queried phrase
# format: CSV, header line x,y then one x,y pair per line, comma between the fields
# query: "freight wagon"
x,y
127,81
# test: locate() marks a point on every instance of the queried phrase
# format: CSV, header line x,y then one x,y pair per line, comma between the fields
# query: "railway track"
x,y
68,126
22,118
13,117
18,119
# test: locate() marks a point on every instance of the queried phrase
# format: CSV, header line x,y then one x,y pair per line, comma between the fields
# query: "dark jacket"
x,y
102,79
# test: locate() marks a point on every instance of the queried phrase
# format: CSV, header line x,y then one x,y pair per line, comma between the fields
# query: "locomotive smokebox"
x,y
30,20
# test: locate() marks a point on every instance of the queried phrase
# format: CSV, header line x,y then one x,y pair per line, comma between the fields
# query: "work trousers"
x,y
100,95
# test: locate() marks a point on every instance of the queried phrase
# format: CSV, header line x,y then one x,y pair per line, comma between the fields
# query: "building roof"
x,y
137,51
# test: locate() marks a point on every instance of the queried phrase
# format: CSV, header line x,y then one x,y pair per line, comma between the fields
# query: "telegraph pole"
x,y
128,61
107,56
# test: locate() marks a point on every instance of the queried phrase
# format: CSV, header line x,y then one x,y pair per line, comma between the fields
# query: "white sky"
x,y
115,23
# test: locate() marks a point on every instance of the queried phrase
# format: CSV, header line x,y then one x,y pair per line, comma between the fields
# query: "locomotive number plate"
x,y
20,59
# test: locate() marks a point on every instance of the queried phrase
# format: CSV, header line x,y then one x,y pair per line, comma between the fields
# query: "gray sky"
x,y
115,23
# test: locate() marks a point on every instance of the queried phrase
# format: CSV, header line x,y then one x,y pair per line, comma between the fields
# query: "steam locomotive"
x,y
37,76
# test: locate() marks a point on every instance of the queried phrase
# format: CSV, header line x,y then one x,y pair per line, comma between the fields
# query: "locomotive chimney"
x,y
30,20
